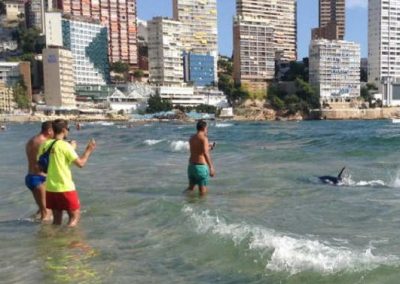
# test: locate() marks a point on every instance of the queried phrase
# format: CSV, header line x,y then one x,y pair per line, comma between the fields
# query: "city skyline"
x,y
307,18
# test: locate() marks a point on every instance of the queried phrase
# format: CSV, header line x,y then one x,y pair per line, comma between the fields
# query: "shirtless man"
x,y
35,178
200,163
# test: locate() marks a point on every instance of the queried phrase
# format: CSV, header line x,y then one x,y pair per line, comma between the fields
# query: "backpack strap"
x,y
51,146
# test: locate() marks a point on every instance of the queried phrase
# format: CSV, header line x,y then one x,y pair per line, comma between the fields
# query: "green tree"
x,y
363,75
203,108
29,40
157,104
20,95
119,67
138,74
308,94
225,66
2,7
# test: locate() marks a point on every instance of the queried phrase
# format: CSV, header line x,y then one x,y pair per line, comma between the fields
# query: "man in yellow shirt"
x,y
61,193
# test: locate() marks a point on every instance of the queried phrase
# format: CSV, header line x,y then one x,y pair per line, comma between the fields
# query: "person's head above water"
x,y
47,129
60,126
201,125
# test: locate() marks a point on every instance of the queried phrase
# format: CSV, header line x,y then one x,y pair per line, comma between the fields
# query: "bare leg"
x,y
203,190
74,217
57,217
39,194
190,188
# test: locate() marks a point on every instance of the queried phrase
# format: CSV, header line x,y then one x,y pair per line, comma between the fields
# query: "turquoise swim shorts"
x,y
198,174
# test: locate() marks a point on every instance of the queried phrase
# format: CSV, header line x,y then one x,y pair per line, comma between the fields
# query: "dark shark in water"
x,y
331,179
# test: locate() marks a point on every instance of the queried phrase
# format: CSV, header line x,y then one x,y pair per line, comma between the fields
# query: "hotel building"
x,y
199,32
254,53
264,32
7,103
35,13
384,48
120,18
12,72
332,18
165,52
281,16
334,67
58,72
87,40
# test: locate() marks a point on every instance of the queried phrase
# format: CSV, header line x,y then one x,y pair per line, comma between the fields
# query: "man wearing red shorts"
x,y
60,189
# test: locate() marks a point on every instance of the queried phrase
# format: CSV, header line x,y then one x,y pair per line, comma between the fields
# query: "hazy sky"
x,y
307,18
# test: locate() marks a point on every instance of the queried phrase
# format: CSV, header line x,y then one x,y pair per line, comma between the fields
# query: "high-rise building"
x,y
15,9
281,16
58,72
383,41
143,47
199,27
120,18
7,103
87,40
332,17
254,53
35,13
11,73
165,52
334,67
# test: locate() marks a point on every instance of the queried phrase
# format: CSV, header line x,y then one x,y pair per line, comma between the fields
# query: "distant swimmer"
x,y
200,164
331,179
35,178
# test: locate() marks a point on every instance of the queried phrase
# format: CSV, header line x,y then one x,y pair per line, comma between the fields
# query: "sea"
x,y
266,219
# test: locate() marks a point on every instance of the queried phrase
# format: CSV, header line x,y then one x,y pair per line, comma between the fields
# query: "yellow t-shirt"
x,y
59,176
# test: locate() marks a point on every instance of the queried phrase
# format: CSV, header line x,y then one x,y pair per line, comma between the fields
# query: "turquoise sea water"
x,y
267,218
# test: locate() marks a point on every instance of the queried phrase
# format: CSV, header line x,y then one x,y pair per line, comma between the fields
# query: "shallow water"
x,y
267,218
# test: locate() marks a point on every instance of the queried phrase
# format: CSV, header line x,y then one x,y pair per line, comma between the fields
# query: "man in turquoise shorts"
x,y
200,163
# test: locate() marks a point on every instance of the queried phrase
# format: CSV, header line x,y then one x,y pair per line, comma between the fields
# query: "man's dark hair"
x,y
201,125
59,125
46,126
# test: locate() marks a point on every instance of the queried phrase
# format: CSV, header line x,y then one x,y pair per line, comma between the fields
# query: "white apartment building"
x,y
9,73
199,27
254,53
88,41
165,52
53,29
7,103
384,48
58,73
14,9
183,96
281,15
334,68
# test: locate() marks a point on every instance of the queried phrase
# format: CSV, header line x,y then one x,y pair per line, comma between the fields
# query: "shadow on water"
x,y
66,256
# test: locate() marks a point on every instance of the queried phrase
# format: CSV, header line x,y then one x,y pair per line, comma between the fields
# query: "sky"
x,y
307,18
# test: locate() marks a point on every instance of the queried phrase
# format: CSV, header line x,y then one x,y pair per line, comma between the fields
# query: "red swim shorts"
x,y
68,200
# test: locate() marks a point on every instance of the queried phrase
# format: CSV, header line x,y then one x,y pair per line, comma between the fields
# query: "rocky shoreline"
x,y
253,112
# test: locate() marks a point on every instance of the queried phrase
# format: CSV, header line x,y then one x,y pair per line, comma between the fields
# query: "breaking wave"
x,y
292,254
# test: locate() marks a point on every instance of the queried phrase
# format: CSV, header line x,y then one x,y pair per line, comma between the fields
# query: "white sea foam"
x,y
223,125
291,254
151,142
179,146
347,181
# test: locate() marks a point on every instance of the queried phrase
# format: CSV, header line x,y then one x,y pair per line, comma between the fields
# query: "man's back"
x,y
197,148
32,149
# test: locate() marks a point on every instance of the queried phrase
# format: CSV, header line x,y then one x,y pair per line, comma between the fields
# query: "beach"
x,y
266,219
